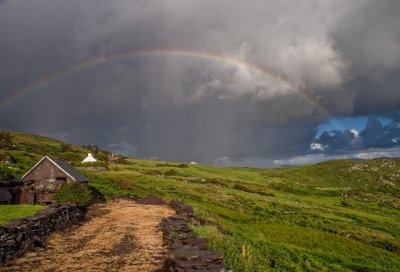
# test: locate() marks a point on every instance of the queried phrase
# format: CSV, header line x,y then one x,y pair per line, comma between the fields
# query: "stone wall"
x,y
18,236
187,251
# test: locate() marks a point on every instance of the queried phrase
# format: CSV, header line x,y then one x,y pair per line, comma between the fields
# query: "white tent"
x,y
89,158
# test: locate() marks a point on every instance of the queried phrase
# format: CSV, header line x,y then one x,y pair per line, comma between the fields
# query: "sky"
x,y
258,83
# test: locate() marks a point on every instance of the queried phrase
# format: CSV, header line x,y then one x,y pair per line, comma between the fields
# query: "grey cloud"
x,y
343,54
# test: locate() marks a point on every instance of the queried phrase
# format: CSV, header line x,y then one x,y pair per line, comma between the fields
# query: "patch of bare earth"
x,y
118,236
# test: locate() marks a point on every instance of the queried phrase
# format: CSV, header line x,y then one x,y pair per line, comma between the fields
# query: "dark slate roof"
x,y
70,170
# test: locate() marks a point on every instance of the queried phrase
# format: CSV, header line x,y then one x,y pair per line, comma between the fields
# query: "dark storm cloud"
x,y
343,54
337,140
377,135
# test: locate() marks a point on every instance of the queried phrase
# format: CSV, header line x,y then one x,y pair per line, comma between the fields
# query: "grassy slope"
x,y
333,216
28,149
330,216
10,212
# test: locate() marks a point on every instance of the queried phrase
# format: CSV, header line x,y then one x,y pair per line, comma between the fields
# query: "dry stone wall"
x,y
18,236
187,251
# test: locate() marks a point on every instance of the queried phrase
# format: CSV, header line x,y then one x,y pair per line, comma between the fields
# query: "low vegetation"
x,y
11,212
333,216
74,193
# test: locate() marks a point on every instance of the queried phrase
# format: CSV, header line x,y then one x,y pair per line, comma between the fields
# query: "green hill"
x,y
332,216
20,151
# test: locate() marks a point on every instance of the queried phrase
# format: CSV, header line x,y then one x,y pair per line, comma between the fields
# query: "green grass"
x,y
334,216
330,216
11,212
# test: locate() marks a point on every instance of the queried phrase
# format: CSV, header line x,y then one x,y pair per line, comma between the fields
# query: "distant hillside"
x,y
333,216
20,151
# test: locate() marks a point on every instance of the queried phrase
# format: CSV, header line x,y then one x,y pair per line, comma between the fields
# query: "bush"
x,y
346,203
7,172
170,172
75,193
6,139
250,190
66,148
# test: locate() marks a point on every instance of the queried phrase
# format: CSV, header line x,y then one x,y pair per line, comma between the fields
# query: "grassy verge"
x,y
10,212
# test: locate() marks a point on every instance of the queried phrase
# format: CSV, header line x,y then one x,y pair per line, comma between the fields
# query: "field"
x,y
10,212
332,216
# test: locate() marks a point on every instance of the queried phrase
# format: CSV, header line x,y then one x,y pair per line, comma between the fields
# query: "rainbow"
x,y
40,84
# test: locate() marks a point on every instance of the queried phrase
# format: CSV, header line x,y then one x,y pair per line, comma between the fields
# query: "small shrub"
x,y
250,190
97,196
4,157
243,188
6,139
346,203
125,184
123,160
76,193
265,193
218,181
7,172
170,172
71,156
66,148
389,246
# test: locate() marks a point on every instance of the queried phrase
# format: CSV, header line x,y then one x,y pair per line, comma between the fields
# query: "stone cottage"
x,y
112,158
43,180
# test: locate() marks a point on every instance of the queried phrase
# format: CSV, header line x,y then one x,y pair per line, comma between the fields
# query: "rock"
x,y
187,211
45,198
151,200
181,207
10,242
48,186
187,251
10,183
27,197
5,196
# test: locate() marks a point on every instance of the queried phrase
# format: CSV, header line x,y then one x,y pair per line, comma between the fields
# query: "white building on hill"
x,y
89,158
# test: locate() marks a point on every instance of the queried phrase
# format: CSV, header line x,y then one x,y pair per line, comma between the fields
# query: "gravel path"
x,y
118,236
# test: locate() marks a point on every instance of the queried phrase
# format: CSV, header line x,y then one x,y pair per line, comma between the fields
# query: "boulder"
x,y
45,198
48,186
10,183
27,197
5,196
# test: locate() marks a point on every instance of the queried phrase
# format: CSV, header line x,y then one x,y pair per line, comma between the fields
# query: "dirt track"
x,y
118,236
